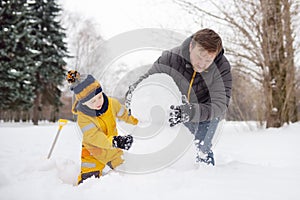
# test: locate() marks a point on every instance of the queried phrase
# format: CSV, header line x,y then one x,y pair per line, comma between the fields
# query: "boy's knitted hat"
x,y
85,88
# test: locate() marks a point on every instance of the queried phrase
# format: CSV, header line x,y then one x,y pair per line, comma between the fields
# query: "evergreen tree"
x,y
16,64
49,49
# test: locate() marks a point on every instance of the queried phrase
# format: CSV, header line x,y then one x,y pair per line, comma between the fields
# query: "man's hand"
x,y
122,142
182,113
128,97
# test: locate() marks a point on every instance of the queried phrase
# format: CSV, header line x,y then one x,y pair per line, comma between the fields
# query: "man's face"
x,y
200,58
96,102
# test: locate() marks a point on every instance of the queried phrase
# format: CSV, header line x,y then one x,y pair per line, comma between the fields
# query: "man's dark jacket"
x,y
211,89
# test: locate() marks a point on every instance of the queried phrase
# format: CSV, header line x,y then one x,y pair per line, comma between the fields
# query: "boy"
x,y
97,113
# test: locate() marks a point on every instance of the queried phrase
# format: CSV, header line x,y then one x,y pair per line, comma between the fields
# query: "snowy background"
x,y
251,163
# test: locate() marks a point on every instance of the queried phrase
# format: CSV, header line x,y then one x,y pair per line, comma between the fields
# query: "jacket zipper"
x,y
191,83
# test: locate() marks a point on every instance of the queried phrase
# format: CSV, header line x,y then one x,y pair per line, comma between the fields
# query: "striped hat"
x,y
85,89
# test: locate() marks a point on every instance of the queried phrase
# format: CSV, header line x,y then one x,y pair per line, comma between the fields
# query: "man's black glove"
x,y
122,142
128,97
182,113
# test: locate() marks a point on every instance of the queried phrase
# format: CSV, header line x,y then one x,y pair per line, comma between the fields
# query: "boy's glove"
x,y
182,113
128,97
122,142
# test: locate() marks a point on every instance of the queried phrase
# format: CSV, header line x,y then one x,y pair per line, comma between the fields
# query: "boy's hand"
x,y
122,142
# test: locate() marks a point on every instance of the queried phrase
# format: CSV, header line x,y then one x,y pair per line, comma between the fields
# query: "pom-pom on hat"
x,y
85,88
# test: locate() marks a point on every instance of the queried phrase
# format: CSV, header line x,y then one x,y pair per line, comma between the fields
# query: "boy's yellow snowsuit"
x,y
98,132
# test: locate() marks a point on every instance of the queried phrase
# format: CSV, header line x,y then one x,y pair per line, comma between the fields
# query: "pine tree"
x,y
16,89
49,50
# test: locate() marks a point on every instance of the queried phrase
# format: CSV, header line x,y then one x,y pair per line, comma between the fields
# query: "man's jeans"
x,y
204,133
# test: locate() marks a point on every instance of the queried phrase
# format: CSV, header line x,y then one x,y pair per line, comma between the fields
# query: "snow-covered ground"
x,y
251,163
260,164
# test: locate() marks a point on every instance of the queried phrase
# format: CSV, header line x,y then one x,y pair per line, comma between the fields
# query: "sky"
x,y
114,17
117,16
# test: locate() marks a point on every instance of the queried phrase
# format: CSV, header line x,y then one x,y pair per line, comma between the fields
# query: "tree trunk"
x,y
291,113
275,70
36,108
24,116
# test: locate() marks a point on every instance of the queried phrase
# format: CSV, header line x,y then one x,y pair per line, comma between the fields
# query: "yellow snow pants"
x,y
94,160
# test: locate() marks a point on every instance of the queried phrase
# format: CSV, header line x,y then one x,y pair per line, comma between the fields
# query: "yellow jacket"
x,y
98,133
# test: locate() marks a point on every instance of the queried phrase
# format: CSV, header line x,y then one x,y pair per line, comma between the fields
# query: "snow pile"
x,y
250,163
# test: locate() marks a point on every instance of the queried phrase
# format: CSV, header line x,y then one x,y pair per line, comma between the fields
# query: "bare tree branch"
x,y
259,80
232,21
263,48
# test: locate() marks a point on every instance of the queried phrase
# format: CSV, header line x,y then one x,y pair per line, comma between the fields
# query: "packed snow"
x,y
251,163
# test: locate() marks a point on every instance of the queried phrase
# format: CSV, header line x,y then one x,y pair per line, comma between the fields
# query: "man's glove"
x,y
182,113
122,142
128,97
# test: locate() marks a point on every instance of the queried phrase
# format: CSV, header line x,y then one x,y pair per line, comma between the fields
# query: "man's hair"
x,y
208,39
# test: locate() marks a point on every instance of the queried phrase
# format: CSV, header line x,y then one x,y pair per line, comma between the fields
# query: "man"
x,y
203,75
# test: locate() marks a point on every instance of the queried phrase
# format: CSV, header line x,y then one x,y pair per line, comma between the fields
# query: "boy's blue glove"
x,y
122,142
182,113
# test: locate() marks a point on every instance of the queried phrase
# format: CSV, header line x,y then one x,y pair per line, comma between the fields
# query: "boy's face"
x,y
200,58
96,102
